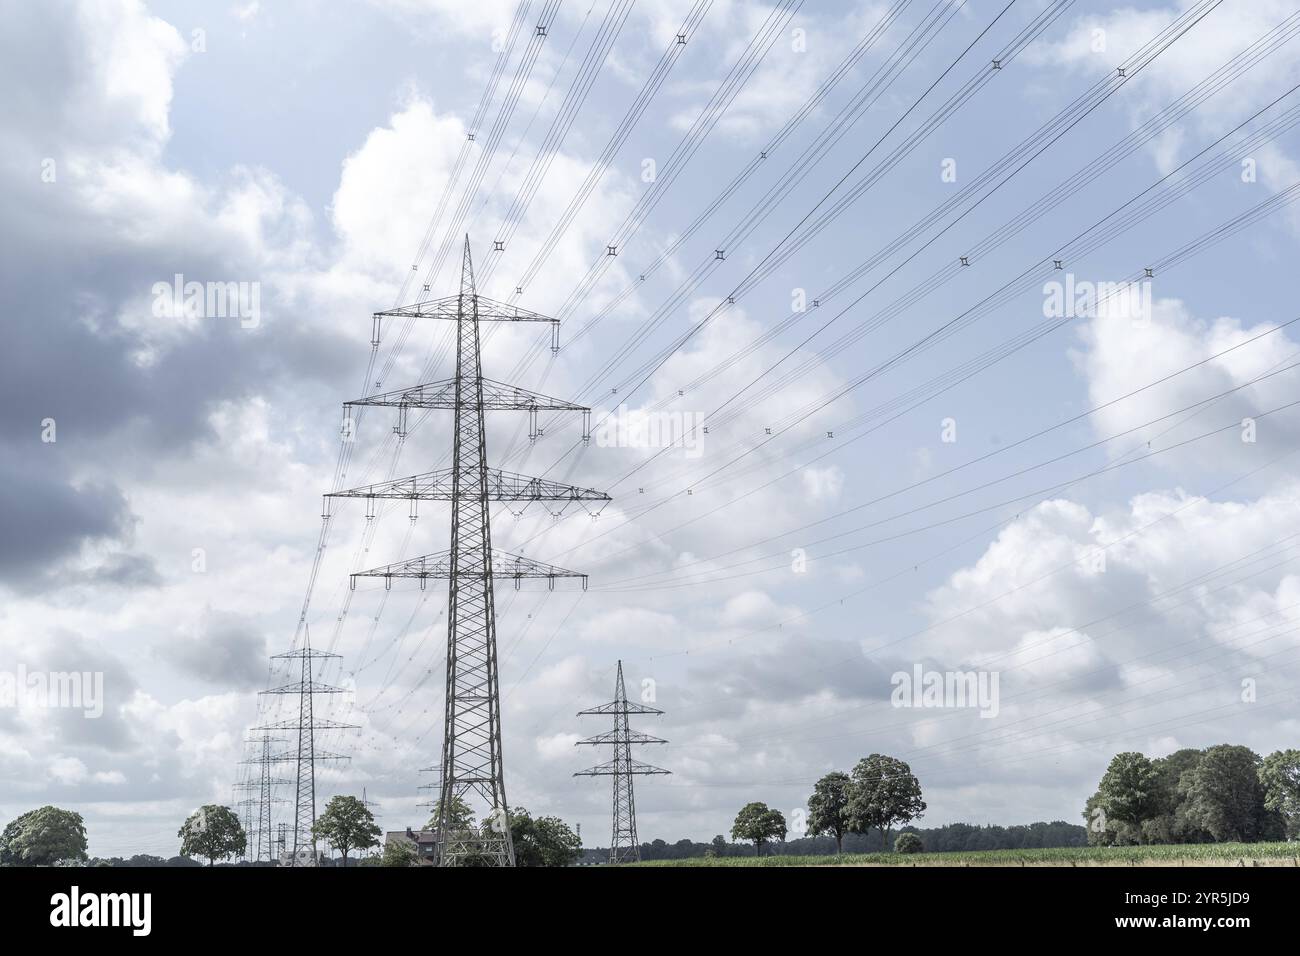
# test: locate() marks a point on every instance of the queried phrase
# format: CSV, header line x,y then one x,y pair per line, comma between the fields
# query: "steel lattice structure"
x,y
264,786
623,845
306,755
246,807
472,767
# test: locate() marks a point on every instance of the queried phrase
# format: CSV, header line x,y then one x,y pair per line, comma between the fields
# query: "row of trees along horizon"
x,y
1224,793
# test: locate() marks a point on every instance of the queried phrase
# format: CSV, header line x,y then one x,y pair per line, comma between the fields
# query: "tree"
x,y
214,832
43,837
1174,826
347,824
1279,774
884,791
1101,831
542,841
760,823
1223,794
461,816
1130,790
908,843
828,807
396,853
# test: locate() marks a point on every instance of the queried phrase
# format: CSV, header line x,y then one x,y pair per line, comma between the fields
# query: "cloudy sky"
x,y
909,461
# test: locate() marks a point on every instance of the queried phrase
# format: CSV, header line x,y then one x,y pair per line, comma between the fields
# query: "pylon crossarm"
x,y
305,687
302,652
449,307
501,486
503,565
315,725
256,784
497,396
618,768
614,737
624,707
292,756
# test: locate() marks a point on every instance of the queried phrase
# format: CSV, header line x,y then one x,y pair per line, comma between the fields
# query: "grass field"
x,y
1207,854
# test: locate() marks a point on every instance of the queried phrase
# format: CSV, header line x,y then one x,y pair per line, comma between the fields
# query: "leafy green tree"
x,y
214,832
828,807
1223,794
760,823
1163,820
542,841
1280,776
1130,790
43,837
347,824
1102,831
395,853
884,791
461,816
908,843
1173,825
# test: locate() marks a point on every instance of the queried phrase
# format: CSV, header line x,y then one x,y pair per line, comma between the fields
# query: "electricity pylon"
x,y
264,787
367,803
246,806
623,846
306,755
471,742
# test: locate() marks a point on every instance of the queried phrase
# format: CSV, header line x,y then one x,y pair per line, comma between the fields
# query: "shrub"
x,y
908,843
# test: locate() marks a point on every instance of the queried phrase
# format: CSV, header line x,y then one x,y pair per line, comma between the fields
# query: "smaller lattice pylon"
x,y
306,755
436,785
623,847
252,834
264,786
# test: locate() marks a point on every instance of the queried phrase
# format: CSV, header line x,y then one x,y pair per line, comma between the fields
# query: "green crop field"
x,y
1206,854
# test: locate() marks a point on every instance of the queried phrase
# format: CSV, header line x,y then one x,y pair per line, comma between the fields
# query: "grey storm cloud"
x,y
69,274
69,360
66,359
125,571
45,517
227,651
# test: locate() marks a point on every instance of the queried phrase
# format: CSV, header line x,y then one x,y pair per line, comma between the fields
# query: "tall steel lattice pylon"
x,y
306,755
472,767
623,845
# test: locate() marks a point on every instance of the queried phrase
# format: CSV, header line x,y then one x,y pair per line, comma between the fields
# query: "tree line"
x,y
1219,794
950,838
1225,793
51,836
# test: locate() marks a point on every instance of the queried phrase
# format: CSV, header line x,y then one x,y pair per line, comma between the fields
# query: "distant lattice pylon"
x,y
624,846
306,755
258,830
